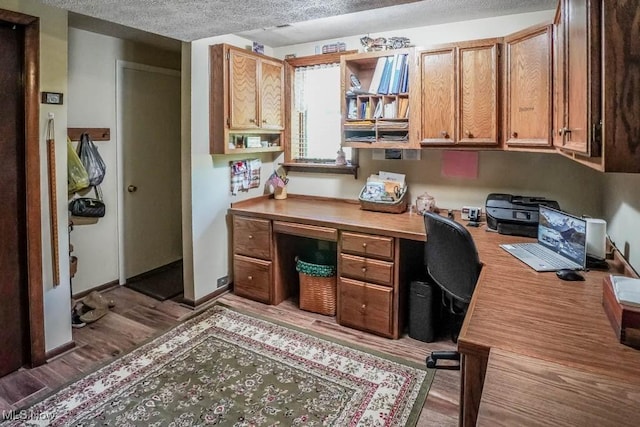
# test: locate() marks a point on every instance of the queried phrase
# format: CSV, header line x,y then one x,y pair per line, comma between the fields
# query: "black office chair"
x,y
452,262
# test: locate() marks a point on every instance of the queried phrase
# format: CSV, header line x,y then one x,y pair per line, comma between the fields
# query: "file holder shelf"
x,y
372,118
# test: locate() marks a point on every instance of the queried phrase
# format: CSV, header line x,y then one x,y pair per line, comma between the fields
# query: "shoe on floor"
x,y
93,315
96,300
76,322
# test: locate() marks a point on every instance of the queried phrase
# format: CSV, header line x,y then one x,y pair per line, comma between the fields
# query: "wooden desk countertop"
x,y
523,391
325,212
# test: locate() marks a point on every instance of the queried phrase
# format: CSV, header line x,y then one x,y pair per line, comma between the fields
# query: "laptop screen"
x,y
564,234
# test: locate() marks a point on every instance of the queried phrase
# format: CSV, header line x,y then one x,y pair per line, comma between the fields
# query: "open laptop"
x,y
561,243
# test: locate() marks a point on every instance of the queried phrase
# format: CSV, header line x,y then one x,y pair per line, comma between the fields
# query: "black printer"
x,y
516,215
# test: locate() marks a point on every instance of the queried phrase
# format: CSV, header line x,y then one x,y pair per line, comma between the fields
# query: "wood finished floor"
x,y
137,318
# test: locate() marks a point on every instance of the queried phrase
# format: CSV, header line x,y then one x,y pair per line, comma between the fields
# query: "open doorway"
x,y
149,179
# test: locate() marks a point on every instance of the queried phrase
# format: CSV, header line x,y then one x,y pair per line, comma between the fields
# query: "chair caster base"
x,y
432,360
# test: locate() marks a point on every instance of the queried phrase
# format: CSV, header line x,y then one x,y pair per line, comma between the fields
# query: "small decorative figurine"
x,y
341,159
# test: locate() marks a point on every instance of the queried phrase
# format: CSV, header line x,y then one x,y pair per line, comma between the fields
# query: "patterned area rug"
x,y
226,368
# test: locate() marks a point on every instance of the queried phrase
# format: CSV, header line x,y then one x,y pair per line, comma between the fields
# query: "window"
x,y
316,116
315,121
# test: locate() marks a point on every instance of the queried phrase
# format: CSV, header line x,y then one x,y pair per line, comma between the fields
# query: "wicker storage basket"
x,y
398,206
317,287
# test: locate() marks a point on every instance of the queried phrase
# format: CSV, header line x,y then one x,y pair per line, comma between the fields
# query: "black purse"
x,y
88,206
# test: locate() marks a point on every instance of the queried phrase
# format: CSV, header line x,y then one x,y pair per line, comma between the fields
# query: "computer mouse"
x,y
567,274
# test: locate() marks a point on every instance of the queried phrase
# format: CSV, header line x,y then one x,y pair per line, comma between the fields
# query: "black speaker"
x,y
421,312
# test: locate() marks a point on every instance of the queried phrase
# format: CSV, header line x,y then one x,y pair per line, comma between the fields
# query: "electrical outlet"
x,y
223,281
464,212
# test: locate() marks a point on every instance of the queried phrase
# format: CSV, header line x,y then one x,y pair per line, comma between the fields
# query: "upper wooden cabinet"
x,y
596,79
528,75
246,101
460,94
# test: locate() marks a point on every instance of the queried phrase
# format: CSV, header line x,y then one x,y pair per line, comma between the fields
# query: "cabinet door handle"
x,y
264,120
249,277
514,135
364,269
250,236
364,245
564,131
363,308
468,134
252,120
444,134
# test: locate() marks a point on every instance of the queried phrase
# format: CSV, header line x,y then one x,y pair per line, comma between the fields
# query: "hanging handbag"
x,y
93,163
88,206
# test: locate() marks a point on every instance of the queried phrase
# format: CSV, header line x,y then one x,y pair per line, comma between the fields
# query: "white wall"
x,y
210,192
434,34
53,78
92,103
621,202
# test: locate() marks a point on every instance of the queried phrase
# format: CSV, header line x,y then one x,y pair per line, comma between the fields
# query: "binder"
x,y
386,76
394,73
397,76
377,74
405,78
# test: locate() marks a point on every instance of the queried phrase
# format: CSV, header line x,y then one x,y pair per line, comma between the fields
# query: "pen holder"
x,y
280,193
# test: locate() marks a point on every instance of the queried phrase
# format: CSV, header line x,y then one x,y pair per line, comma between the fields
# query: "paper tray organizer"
x,y
397,206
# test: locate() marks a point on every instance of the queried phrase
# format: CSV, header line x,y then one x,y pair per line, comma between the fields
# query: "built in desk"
x,y
376,254
513,309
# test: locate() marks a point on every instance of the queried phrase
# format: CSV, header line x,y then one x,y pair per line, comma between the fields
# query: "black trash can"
x,y
421,311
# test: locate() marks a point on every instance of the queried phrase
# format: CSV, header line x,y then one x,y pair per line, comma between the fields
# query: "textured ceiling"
x,y
258,20
189,20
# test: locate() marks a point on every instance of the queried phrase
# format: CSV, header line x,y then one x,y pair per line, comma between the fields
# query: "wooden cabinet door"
x,y
528,88
243,90
272,95
365,306
438,100
558,78
478,94
577,76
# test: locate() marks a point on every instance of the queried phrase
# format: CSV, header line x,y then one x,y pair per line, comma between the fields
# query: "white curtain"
x,y
316,116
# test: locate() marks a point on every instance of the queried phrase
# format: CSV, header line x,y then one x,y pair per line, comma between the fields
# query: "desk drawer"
x,y
366,307
252,278
367,245
306,230
367,269
252,237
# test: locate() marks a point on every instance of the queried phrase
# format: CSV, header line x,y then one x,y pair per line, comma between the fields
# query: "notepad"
x,y
626,290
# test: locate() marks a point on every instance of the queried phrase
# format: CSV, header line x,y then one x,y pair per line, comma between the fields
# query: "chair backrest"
x,y
451,257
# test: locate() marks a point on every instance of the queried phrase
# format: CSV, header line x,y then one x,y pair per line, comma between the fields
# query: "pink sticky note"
x,y
460,164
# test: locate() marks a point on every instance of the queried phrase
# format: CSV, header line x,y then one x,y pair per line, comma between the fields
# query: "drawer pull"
x,y
364,269
249,277
364,245
363,309
250,236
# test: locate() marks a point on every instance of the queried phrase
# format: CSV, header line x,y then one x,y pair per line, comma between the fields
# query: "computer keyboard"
x,y
548,257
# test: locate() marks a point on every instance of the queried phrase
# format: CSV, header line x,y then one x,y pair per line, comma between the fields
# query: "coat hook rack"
x,y
96,134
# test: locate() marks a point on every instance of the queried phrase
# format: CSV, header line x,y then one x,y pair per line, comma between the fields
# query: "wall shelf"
x,y
96,134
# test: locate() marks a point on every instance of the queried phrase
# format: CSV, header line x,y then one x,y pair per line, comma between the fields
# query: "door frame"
x,y
31,26
120,67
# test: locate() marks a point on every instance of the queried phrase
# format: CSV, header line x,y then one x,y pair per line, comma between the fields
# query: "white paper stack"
x,y
627,290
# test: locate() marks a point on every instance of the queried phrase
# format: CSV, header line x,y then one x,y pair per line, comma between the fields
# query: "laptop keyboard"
x,y
540,253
